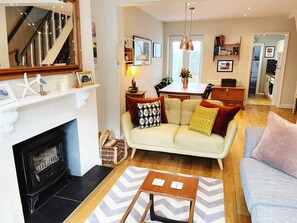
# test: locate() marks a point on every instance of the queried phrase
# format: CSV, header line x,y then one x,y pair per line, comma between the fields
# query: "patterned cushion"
x,y
133,110
203,119
149,114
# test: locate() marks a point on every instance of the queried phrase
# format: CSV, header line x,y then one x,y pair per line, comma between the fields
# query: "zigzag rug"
x,y
209,205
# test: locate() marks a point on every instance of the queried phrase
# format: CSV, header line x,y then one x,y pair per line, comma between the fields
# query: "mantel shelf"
x,y
34,99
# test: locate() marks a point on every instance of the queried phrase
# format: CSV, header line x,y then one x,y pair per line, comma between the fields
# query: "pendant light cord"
x,y
185,18
192,8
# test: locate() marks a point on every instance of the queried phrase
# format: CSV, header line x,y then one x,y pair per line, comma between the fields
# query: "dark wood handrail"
x,y
19,23
36,33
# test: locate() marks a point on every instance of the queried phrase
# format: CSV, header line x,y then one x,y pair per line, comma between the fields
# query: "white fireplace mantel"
x,y
9,114
33,115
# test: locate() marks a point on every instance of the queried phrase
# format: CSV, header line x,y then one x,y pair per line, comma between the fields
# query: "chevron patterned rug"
x,y
209,205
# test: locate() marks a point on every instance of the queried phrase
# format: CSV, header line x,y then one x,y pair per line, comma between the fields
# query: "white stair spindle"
x,y
53,27
60,24
32,54
47,36
23,60
39,49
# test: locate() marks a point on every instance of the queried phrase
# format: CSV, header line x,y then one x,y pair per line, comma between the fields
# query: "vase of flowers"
x,y
185,74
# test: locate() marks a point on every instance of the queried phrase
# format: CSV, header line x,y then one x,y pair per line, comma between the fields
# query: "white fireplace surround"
x,y
34,115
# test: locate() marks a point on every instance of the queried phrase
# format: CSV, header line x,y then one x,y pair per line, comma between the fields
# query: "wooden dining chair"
x,y
207,91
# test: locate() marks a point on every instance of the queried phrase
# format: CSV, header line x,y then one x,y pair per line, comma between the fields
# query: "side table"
x,y
138,94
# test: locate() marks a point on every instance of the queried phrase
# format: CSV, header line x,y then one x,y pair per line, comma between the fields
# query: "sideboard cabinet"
x,y
230,96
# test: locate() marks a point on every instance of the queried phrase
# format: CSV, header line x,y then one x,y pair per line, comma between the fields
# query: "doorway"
x,y
264,66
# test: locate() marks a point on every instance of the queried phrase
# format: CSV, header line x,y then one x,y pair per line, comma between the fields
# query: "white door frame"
x,y
279,81
260,65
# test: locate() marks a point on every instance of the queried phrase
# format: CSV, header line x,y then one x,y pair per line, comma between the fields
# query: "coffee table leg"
x,y
155,217
152,209
130,207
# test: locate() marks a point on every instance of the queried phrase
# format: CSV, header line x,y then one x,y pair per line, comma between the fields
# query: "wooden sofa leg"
x,y
220,161
133,153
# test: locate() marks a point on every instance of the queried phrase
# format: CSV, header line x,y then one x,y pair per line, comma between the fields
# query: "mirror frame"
x,y
16,73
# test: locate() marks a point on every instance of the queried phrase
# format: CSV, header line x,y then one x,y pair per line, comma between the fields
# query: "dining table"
x,y
175,90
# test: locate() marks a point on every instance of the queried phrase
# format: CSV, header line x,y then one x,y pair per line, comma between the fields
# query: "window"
x,y
179,58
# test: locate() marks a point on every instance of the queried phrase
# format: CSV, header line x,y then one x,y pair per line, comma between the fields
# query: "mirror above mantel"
x,y
41,37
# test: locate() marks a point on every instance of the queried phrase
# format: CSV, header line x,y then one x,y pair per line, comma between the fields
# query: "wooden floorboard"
x,y
235,206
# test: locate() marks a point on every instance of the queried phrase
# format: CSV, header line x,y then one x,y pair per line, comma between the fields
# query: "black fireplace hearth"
x,y
40,163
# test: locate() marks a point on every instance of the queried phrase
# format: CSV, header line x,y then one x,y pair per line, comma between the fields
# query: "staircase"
x,y
44,45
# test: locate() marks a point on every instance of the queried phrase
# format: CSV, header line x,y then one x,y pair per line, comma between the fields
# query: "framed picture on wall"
x,y
142,45
94,39
269,51
225,66
157,48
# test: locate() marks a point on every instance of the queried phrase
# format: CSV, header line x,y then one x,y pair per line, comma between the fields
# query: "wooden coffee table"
x,y
188,192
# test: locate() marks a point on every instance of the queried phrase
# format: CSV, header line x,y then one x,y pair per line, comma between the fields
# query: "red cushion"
x,y
224,116
132,106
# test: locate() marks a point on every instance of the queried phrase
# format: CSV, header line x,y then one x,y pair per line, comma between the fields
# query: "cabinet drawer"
x,y
227,94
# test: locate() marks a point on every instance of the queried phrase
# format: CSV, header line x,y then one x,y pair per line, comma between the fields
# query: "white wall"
x,y
233,29
4,59
115,22
139,23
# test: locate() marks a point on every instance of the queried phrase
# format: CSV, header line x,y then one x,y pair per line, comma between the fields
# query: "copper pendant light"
x,y
184,41
190,46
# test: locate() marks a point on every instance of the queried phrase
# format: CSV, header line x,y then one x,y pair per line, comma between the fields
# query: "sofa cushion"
x,y
173,107
203,119
188,108
265,214
277,146
149,114
132,106
197,141
265,185
162,135
225,115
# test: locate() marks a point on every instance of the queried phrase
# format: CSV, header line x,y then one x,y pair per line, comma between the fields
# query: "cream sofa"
x,y
175,137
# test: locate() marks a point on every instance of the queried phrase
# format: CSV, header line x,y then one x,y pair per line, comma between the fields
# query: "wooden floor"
x,y
258,99
235,207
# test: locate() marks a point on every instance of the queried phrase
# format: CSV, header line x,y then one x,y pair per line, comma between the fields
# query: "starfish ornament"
x,y
27,85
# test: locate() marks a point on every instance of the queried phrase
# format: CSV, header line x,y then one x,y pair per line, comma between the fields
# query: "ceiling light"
x,y
249,8
184,41
244,14
190,45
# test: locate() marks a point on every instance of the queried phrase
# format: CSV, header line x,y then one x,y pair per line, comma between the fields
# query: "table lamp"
x,y
133,72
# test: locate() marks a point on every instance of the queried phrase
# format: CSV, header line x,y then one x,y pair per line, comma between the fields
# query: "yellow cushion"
x,y
203,119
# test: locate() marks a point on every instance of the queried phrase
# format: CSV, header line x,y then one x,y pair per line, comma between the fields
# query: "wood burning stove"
x,y
39,163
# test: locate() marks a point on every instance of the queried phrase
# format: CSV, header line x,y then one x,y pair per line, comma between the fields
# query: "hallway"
x,y
258,99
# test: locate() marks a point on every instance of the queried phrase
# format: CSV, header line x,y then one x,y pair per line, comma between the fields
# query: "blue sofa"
x,y
270,194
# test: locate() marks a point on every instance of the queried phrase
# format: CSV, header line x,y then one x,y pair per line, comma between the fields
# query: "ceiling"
x,y
174,10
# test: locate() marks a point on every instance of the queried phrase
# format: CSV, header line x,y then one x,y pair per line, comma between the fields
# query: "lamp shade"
x,y
190,46
142,57
184,43
133,71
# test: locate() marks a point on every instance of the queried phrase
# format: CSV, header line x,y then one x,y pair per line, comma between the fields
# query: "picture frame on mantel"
x,y
146,47
269,51
6,94
85,78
